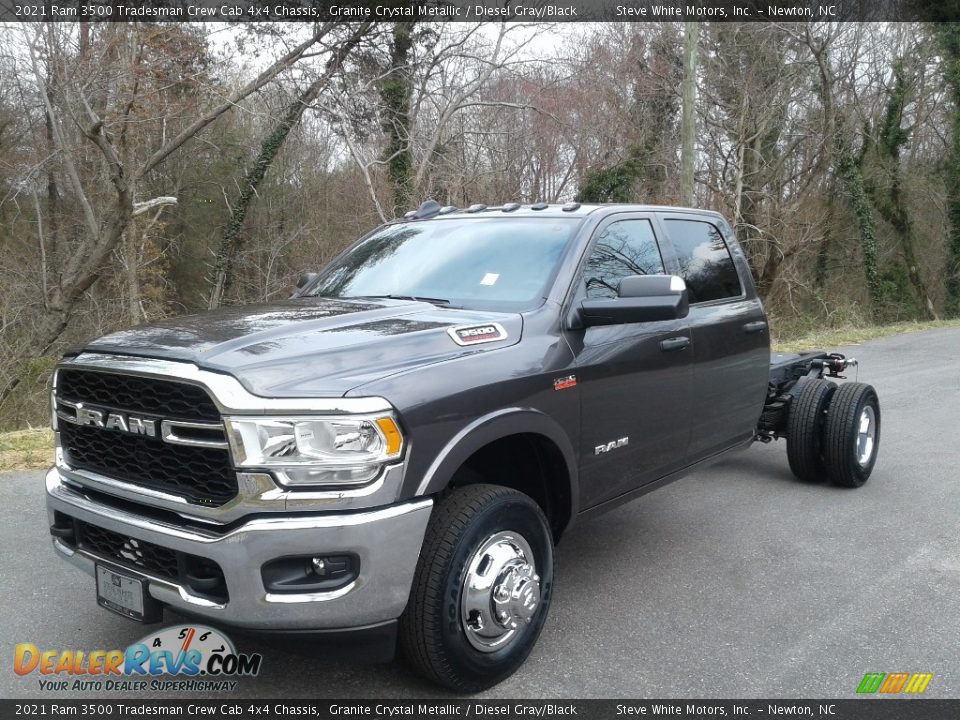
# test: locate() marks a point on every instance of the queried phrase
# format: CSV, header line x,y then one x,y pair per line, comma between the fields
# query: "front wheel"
x,y
482,588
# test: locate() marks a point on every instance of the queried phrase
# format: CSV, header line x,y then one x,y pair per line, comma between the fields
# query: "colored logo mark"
x,y
893,683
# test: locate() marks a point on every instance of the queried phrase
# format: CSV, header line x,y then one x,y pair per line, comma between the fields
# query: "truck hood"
x,y
311,347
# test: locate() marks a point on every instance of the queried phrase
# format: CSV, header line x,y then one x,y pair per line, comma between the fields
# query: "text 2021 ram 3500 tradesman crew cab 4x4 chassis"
x,y
393,452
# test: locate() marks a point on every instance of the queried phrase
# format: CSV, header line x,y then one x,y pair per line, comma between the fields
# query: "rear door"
x,y
731,345
634,378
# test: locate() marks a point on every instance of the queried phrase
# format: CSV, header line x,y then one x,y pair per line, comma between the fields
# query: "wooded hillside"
x,y
148,170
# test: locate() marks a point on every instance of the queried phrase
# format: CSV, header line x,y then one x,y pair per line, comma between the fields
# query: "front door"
x,y
635,379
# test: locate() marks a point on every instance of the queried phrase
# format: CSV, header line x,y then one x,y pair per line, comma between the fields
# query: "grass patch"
x,y
26,450
854,335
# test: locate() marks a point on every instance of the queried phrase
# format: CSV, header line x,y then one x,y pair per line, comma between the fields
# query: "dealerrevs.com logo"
x,y
205,657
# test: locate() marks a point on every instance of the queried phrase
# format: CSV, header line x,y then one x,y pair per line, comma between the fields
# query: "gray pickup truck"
x,y
391,455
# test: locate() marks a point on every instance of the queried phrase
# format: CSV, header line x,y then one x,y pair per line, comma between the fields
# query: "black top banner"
x,y
782,11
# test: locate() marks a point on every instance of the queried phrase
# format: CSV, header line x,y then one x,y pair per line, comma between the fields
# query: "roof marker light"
x,y
428,209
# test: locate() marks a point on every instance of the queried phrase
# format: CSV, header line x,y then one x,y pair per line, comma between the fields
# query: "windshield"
x,y
477,263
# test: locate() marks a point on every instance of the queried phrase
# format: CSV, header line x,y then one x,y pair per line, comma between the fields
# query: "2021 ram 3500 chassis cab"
x,y
396,449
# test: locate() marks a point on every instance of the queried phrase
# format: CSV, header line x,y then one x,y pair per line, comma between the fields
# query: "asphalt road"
x,y
736,582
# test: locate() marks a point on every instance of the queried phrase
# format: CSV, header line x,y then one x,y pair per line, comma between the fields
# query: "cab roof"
x,y
431,209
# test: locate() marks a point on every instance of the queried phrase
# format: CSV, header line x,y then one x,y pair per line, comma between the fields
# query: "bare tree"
x,y
91,105
424,86
231,241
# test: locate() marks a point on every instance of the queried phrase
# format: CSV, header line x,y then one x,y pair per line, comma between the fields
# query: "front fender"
x,y
494,426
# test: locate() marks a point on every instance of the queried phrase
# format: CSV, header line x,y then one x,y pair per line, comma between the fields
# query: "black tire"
x,y
805,424
850,405
432,635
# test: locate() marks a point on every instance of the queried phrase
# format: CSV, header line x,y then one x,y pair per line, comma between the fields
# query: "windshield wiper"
x,y
417,298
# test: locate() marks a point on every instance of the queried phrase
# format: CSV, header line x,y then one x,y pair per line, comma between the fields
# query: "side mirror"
x,y
305,279
640,298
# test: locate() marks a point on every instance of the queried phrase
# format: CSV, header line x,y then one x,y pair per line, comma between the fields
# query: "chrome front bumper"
x,y
387,542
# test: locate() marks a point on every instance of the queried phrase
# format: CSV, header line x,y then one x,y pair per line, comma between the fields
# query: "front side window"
x,y
705,261
624,248
492,263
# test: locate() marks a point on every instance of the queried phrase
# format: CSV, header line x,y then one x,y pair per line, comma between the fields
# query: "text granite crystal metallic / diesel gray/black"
x,y
392,454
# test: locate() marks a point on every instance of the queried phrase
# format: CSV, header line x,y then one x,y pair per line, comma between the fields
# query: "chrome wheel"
x,y
866,436
500,593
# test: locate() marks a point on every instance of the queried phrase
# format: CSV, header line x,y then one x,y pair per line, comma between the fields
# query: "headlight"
x,y
343,450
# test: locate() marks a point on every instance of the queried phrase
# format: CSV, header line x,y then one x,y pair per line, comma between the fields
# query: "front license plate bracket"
x,y
126,595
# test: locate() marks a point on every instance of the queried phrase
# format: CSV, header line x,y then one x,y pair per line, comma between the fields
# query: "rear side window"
x,y
624,248
705,262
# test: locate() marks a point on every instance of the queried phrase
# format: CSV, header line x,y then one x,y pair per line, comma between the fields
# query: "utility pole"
x,y
688,130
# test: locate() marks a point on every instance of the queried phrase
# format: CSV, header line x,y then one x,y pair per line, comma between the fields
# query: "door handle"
x,y
754,327
674,344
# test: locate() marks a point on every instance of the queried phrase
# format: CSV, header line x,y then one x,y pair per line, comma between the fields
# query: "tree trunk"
x,y
395,91
948,34
893,205
131,263
850,173
232,238
823,249
750,194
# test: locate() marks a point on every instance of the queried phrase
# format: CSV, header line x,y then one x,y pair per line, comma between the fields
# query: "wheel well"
x,y
526,462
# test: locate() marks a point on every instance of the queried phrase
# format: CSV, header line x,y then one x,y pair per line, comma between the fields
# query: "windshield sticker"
x,y
490,279
476,334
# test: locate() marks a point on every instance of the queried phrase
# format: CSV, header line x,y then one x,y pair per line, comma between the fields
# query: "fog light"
x,y
63,528
310,573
